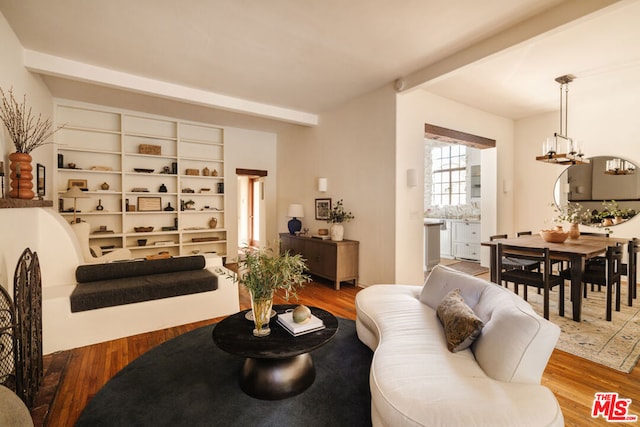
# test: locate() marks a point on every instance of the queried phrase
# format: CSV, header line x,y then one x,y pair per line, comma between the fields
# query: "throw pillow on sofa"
x,y
461,325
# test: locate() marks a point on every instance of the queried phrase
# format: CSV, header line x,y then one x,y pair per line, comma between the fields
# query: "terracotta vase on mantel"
x,y
20,165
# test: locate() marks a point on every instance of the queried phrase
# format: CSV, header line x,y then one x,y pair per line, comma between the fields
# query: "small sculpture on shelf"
x,y
205,171
169,208
162,189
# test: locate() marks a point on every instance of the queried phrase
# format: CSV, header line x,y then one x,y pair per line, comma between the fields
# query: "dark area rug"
x,y
188,381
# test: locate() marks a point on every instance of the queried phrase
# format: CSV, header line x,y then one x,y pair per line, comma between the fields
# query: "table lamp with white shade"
x,y
295,211
74,193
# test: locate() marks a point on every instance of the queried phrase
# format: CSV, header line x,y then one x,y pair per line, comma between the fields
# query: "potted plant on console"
x,y
264,271
337,216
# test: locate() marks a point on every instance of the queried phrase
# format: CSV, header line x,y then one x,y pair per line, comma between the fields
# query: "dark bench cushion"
x,y
134,268
108,293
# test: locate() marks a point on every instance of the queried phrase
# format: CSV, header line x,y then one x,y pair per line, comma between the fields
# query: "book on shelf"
x,y
296,329
320,236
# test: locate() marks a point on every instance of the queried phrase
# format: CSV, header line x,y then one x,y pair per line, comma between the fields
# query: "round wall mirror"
x,y
603,192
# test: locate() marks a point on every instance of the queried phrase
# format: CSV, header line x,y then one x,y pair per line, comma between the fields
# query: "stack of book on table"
x,y
296,329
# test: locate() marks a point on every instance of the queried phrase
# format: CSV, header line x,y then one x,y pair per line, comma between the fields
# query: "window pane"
x,y
448,174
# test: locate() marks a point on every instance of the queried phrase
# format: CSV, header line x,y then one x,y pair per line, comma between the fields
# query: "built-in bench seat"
x,y
64,329
118,283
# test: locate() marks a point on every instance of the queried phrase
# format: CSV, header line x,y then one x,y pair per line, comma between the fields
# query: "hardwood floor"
x,y
83,371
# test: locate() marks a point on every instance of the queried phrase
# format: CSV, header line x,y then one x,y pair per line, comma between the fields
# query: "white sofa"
x,y
416,381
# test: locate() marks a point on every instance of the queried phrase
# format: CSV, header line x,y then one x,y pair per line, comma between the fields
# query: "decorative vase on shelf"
x,y
213,222
261,307
21,176
574,231
337,232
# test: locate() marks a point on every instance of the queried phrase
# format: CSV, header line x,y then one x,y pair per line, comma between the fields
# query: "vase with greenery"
x,y
27,132
265,271
338,215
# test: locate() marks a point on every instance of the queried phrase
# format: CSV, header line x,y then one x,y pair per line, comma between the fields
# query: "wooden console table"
x,y
336,261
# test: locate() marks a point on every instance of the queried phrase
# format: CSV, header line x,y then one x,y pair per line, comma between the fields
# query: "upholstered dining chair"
x,y
543,279
93,254
553,261
610,276
514,263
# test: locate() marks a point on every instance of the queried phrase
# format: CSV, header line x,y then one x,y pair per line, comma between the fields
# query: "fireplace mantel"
x,y
23,203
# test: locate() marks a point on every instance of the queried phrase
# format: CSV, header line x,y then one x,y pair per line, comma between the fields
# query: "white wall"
x,y
415,108
604,125
353,147
249,149
13,75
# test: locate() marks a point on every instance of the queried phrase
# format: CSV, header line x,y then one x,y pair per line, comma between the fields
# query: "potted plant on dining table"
x,y
264,271
574,214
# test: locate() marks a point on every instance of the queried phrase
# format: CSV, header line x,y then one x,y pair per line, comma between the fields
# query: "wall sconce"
x,y
412,178
507,186
322,184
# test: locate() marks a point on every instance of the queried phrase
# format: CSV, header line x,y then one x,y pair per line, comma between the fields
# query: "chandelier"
x,y
560,148
619,167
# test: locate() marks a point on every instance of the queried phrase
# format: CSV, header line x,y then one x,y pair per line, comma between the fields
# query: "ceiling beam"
x,y
50,65
549,20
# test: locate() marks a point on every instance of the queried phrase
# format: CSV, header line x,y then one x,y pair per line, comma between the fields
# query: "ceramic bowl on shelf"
x,y
554,236
143,229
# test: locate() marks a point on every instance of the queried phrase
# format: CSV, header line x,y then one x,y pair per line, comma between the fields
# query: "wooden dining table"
x,y
576,251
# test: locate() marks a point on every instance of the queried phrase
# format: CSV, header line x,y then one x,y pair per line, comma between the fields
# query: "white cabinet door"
x,y
466,240
446,241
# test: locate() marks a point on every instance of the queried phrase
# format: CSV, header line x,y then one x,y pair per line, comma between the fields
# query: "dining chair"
x,y
514,263
631,269
560,263
542,279
597,262
608,277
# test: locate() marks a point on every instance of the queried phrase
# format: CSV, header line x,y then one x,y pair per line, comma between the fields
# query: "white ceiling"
x,y
311,55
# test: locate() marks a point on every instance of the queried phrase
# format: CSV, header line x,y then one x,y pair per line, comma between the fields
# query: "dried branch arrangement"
x,y
26,131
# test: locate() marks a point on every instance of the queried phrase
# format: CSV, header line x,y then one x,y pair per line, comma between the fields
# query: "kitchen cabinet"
x,y
446,249
466,240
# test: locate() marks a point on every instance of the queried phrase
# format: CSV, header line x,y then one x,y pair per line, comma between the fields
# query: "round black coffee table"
x,y
276,366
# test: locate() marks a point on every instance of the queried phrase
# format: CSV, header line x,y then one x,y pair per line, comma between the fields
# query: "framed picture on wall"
x,y
82,183
149,204
40,180
323,208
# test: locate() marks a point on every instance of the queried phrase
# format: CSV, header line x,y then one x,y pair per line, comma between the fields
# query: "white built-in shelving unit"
x,y
104,146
